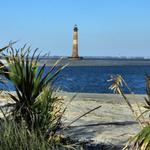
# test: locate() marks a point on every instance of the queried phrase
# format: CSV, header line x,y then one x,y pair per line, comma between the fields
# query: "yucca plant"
x,y
36,113
49,111
28,80
147,99
117,83
141,141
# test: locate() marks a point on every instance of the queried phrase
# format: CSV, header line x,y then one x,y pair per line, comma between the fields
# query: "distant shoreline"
x,y
96,62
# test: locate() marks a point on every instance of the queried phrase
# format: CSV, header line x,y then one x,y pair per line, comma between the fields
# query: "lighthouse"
x,y
75,54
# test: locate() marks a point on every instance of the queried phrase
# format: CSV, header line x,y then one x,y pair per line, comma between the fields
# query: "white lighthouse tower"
x,y
75,54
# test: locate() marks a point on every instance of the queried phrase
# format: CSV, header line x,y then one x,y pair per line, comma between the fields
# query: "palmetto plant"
x,y
35,116
48,108
142,140
28,80
147,99
117,86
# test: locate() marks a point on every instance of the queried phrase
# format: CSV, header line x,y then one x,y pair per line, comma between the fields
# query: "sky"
x,y
106,27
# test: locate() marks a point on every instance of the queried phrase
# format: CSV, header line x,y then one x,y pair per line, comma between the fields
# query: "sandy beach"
x,y
109,126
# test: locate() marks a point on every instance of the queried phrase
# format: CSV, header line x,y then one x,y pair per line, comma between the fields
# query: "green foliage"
x,y
29,82
147,99
18,137
142,140
49,112
36,112
117,86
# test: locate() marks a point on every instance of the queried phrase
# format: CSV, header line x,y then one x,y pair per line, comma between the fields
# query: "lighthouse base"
x,y
75,58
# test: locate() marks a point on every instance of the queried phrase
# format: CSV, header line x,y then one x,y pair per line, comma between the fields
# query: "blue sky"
x,y
106,27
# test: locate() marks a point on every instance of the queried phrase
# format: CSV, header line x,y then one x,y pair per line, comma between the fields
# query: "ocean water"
x,y
93,79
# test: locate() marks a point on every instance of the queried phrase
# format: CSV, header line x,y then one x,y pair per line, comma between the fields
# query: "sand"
x,y
109,126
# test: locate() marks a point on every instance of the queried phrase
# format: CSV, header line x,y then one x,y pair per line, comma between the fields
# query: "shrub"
x,y
35,116
141,141
14,136
30,82
48,108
